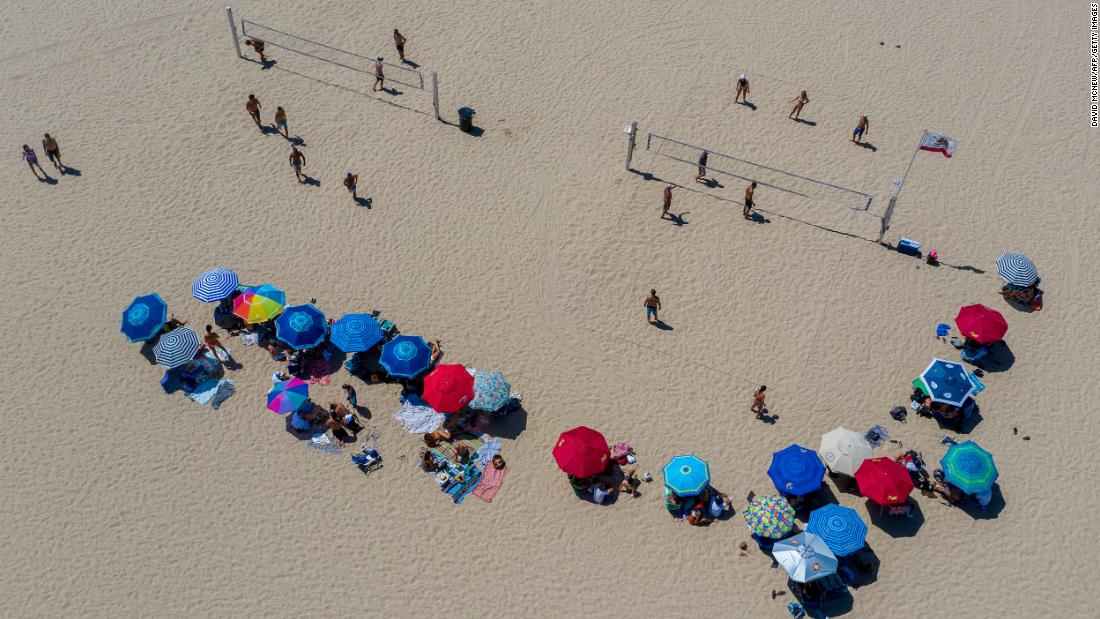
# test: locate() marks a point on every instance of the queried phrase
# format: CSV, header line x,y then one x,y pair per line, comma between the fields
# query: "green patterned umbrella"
x,y
969,467
491,391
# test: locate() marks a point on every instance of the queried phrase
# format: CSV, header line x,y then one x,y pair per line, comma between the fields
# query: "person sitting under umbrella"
x,y
717,502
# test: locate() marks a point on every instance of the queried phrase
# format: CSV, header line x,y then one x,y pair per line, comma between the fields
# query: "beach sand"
x,y
529,250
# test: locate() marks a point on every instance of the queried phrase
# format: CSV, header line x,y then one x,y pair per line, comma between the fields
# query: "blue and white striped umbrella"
x,y
947,382
301,326
356,332
214,285
176,347
843,531
145,316
1017,269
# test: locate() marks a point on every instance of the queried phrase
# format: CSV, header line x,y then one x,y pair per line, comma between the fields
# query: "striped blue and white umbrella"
x,y
843,531
176,347
356,332
1017,269
301,326
145,316
214,285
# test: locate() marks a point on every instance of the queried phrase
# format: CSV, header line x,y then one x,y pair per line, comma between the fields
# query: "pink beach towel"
x,y
491,480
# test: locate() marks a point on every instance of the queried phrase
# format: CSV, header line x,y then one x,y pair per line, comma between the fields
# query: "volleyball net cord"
x,y
651,137
412,74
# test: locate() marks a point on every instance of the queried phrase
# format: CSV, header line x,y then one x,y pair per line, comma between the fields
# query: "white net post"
x,y
233,31
631,132
435,94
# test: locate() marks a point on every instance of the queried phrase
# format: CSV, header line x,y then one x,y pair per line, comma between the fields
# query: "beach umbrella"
x,y
301,326
356,332
288,396
144,318
405,356
947,382
884,481
582,452
844,450
769,516
1017,269
982,324
448,388
969,468
259,304
491,391
176,347
796,470
214,285
843,531
805,556
686,475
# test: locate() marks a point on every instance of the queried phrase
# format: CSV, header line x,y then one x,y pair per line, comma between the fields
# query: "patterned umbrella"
x,y
288,396
844,450
884,481
144,318
1017,269
796,471
356,332
686,475
491,391
448,388
214,285
982,324
406,356
769,516
841,527
259,304
582,452
969,467
805,556
947,382
176,347
301,326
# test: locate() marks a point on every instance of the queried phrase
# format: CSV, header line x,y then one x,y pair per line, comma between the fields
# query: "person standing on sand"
x,y
742,90
297,160
652,304
864,126
349,181
213,343
702,167
799,103
280,121
257,45
252,106
667,201
758,402
379,76
350,396
399,42
32,160
53,152
749,204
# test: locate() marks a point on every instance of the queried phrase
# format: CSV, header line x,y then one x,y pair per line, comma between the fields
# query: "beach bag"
x,y
898,413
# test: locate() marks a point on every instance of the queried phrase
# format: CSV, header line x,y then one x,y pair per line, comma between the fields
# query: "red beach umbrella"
x,y
884,481
982,324
448,388
582,452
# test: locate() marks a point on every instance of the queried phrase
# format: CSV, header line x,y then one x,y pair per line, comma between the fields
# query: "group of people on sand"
x,y
53,153
741,95
702,509
399,41
598,488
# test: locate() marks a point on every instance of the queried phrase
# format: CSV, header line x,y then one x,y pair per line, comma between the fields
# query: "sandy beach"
x,y
529,249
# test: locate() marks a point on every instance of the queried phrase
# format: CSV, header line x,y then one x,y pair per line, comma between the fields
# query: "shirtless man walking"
x,y
252,106
379,76
350,181
864,126
280,121
53,152
758,402
668,201
652,304
749,204
399,42
742,90
297,160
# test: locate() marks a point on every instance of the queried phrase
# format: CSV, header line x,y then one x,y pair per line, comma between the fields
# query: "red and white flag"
x,y
938,143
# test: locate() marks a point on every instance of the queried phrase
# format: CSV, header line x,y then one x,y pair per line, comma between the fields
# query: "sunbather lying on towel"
x,y
431,439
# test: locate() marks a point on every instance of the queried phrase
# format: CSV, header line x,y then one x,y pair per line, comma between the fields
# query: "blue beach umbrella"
x,y
796,470
176,347
214,285
405,356
301,326
947,382
969,467
843,531
356,332
144,318
491,391
686,475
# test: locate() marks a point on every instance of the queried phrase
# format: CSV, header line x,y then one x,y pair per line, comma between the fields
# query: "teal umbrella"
x,y
686,475
969,468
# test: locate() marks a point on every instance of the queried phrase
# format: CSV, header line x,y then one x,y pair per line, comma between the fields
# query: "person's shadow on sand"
x,y
678,220
869,146
309,180
662,325
364,202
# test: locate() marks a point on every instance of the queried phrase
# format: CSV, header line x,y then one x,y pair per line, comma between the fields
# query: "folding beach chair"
x,y
367,460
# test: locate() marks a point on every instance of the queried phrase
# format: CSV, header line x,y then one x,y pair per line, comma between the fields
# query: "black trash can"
x,y
465,119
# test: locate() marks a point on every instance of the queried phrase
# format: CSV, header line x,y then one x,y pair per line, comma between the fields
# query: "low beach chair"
x,y
367,460
973,354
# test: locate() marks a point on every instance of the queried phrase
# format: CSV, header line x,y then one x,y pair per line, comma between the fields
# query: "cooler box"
x,y
909,247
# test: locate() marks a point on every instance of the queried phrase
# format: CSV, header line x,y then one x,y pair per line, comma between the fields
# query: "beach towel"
x,y
460,491
491,480
446,450
204,392
322,442
487,451
320,372
418,419
250,339
226,388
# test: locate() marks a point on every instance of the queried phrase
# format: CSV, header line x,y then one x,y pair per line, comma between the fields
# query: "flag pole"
x,y
885,219
914,158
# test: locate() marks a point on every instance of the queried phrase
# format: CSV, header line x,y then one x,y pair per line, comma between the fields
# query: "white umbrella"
x,y
805,557
844,450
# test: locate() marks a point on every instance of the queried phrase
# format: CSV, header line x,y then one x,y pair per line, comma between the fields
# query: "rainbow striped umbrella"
x,y
769,516
214,285
259,304
288,396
